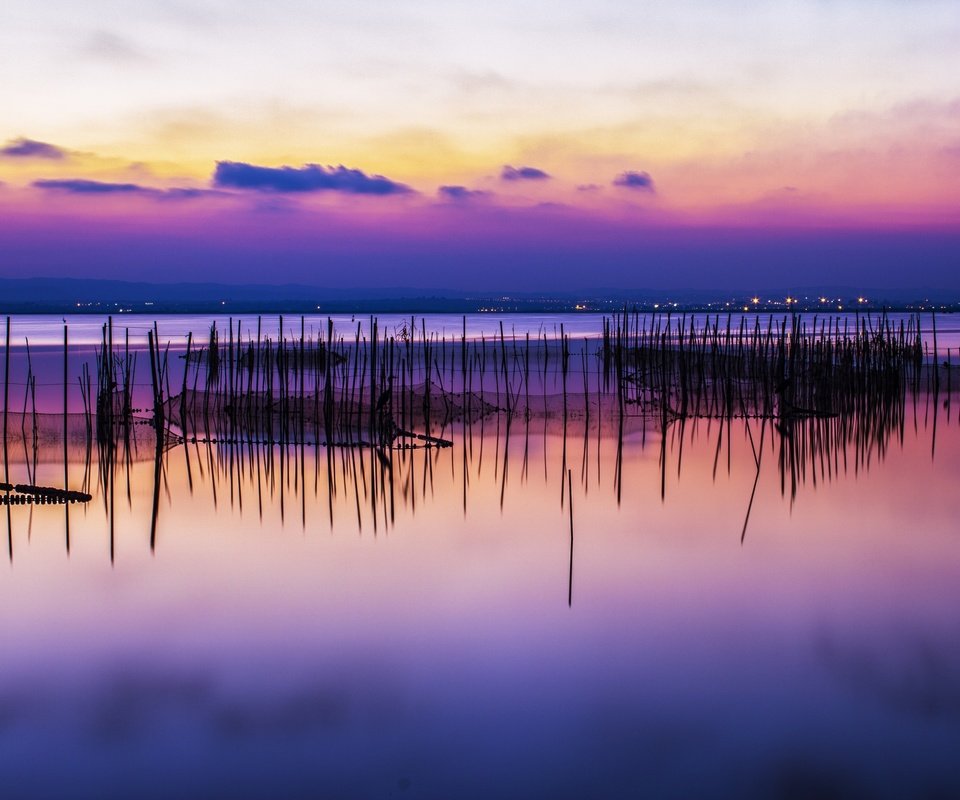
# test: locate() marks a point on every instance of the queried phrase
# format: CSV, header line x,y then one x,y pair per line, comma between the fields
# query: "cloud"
x,y
31,148
631,179
81,186
509,173
461,194
589,187
88,187
179,193
308,178
109,46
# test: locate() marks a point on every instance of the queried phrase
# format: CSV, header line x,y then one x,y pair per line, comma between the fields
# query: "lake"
x,y
549,604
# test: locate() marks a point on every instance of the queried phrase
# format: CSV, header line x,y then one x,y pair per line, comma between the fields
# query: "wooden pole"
x,y
66,471
570,506
6,402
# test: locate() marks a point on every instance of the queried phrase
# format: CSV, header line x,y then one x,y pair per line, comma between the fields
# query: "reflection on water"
x,y
557,605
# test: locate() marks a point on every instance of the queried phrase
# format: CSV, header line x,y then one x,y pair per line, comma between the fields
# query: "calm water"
x,y
85,329
268,622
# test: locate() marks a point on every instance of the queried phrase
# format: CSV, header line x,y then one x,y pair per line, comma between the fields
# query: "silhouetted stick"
x,y
66,473
570,506
6,402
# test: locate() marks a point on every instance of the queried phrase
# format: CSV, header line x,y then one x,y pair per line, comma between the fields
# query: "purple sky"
x,y
469,246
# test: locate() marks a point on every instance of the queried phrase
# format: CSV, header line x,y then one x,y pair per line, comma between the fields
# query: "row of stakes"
x,y
25,494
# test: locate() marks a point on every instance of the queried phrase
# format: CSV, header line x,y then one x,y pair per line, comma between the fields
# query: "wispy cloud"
x,y
462,194
179,193
31,148
107,46
632,179
509,173
308,178
82,186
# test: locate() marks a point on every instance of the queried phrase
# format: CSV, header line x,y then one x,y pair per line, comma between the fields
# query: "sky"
x,y
442,144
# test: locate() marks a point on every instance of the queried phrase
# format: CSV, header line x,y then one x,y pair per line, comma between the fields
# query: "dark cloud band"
x,y
309,178
80,186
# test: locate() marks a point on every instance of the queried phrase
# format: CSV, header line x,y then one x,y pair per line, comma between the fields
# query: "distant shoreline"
x,y
458,307
19,296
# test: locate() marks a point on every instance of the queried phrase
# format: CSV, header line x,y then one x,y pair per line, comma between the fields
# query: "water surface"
x,y
263,621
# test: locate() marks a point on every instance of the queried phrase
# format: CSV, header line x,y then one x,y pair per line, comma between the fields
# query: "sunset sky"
x,y
562,144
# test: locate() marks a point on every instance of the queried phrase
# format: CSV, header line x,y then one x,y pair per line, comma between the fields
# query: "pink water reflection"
x,y
434,651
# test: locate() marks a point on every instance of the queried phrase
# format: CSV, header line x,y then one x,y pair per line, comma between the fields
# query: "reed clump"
x,y
680,367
